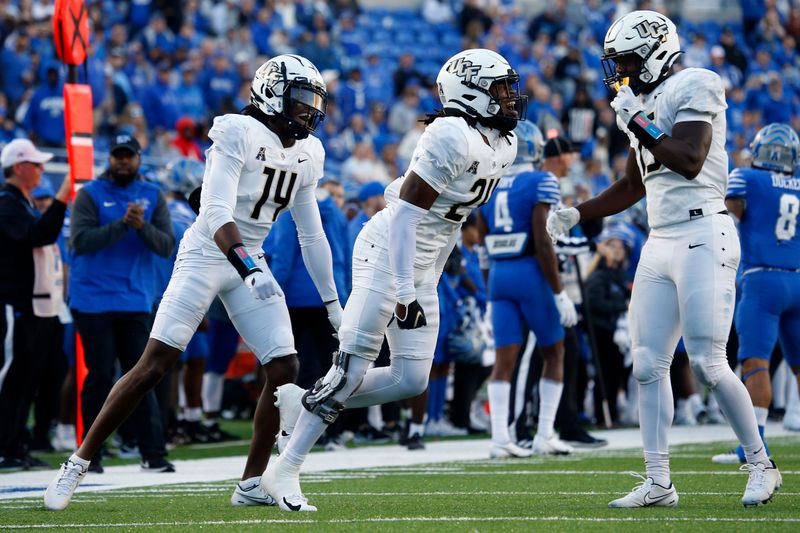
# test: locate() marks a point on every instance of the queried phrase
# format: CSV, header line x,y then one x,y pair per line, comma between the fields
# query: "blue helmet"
x,y
530,143
183,175
775,147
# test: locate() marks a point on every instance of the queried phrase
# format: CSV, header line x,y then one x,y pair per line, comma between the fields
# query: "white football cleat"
x,y
509,449
551,446
762,482
288,400
251,493
791,420
59,491
728,458
281,480
647,494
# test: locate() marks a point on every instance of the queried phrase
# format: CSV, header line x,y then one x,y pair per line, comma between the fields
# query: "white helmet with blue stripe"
x,y
775,147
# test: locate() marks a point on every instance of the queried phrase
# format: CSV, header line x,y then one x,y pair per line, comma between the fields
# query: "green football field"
x,y
553,494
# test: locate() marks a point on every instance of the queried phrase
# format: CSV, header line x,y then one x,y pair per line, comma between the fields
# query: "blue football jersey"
x,y
768,231
508,212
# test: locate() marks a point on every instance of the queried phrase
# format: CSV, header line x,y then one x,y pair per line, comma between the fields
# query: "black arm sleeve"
x,y
86,234
157,234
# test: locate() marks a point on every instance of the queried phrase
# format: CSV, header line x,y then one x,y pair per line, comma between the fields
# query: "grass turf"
x,y
552,494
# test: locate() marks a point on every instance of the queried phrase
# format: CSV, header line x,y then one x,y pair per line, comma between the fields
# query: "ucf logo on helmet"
x,y
652,28
463,68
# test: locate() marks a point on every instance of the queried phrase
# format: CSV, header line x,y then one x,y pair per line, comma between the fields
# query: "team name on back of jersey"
x,y
783,182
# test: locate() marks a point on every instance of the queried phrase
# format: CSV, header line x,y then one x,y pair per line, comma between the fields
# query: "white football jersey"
x,y
454,160
693,94
268,182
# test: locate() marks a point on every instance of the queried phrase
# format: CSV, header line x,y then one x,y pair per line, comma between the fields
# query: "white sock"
x,y
77,460
681,407
549,398
418,429
761,415
735,403
657,410
499,392
307,431
193,414
181,390
212,392
657,464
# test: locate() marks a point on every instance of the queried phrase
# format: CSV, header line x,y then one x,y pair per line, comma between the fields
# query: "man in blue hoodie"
x,y
120,225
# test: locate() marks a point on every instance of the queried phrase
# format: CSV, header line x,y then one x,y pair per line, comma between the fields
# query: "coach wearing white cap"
x,y
22,228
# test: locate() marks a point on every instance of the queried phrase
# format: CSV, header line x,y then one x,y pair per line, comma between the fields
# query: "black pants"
x,y
612,365
49,380
31,335
108,337
571,398
467,380
313,338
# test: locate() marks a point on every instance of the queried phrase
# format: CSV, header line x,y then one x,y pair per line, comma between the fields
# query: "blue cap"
x,y
368,190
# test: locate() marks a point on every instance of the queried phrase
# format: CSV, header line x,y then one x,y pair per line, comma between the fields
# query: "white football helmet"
x,y
285,81
649,36
471,82
776,147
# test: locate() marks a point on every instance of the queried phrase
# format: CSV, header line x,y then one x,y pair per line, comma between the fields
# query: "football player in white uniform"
x,y
262,161
399,255
684,284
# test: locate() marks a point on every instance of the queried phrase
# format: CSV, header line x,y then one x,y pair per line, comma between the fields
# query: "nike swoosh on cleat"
x,y
692,246
652,501
301,160
290,506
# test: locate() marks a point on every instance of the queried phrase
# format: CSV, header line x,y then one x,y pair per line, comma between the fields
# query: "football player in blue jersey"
x,y
520,249
766,200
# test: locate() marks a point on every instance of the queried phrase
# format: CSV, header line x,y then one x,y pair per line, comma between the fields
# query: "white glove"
x,y
569,315
626,104
262,285
560,221
334,315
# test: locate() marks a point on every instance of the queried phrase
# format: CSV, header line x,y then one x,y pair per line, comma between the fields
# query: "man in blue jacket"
x,y
120,224
310,323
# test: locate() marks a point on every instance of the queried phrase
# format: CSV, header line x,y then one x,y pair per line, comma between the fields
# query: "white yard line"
x,y
373,460
411,519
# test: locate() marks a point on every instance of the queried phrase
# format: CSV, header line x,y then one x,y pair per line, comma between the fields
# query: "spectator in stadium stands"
x,y
733,52
184,142
473,21
579,118
22,230
17,67
550,21
404,112
9,129
363,166
161,103
370,196
352,94
406,73
192,103
45,116
220,83
731,75
320,51
119,225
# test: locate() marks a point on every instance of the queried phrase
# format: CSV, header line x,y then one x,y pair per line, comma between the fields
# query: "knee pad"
x,y
649,366
328,409
411,375
708,369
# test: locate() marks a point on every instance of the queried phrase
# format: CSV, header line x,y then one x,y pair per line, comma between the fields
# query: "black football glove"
x,y
415,317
